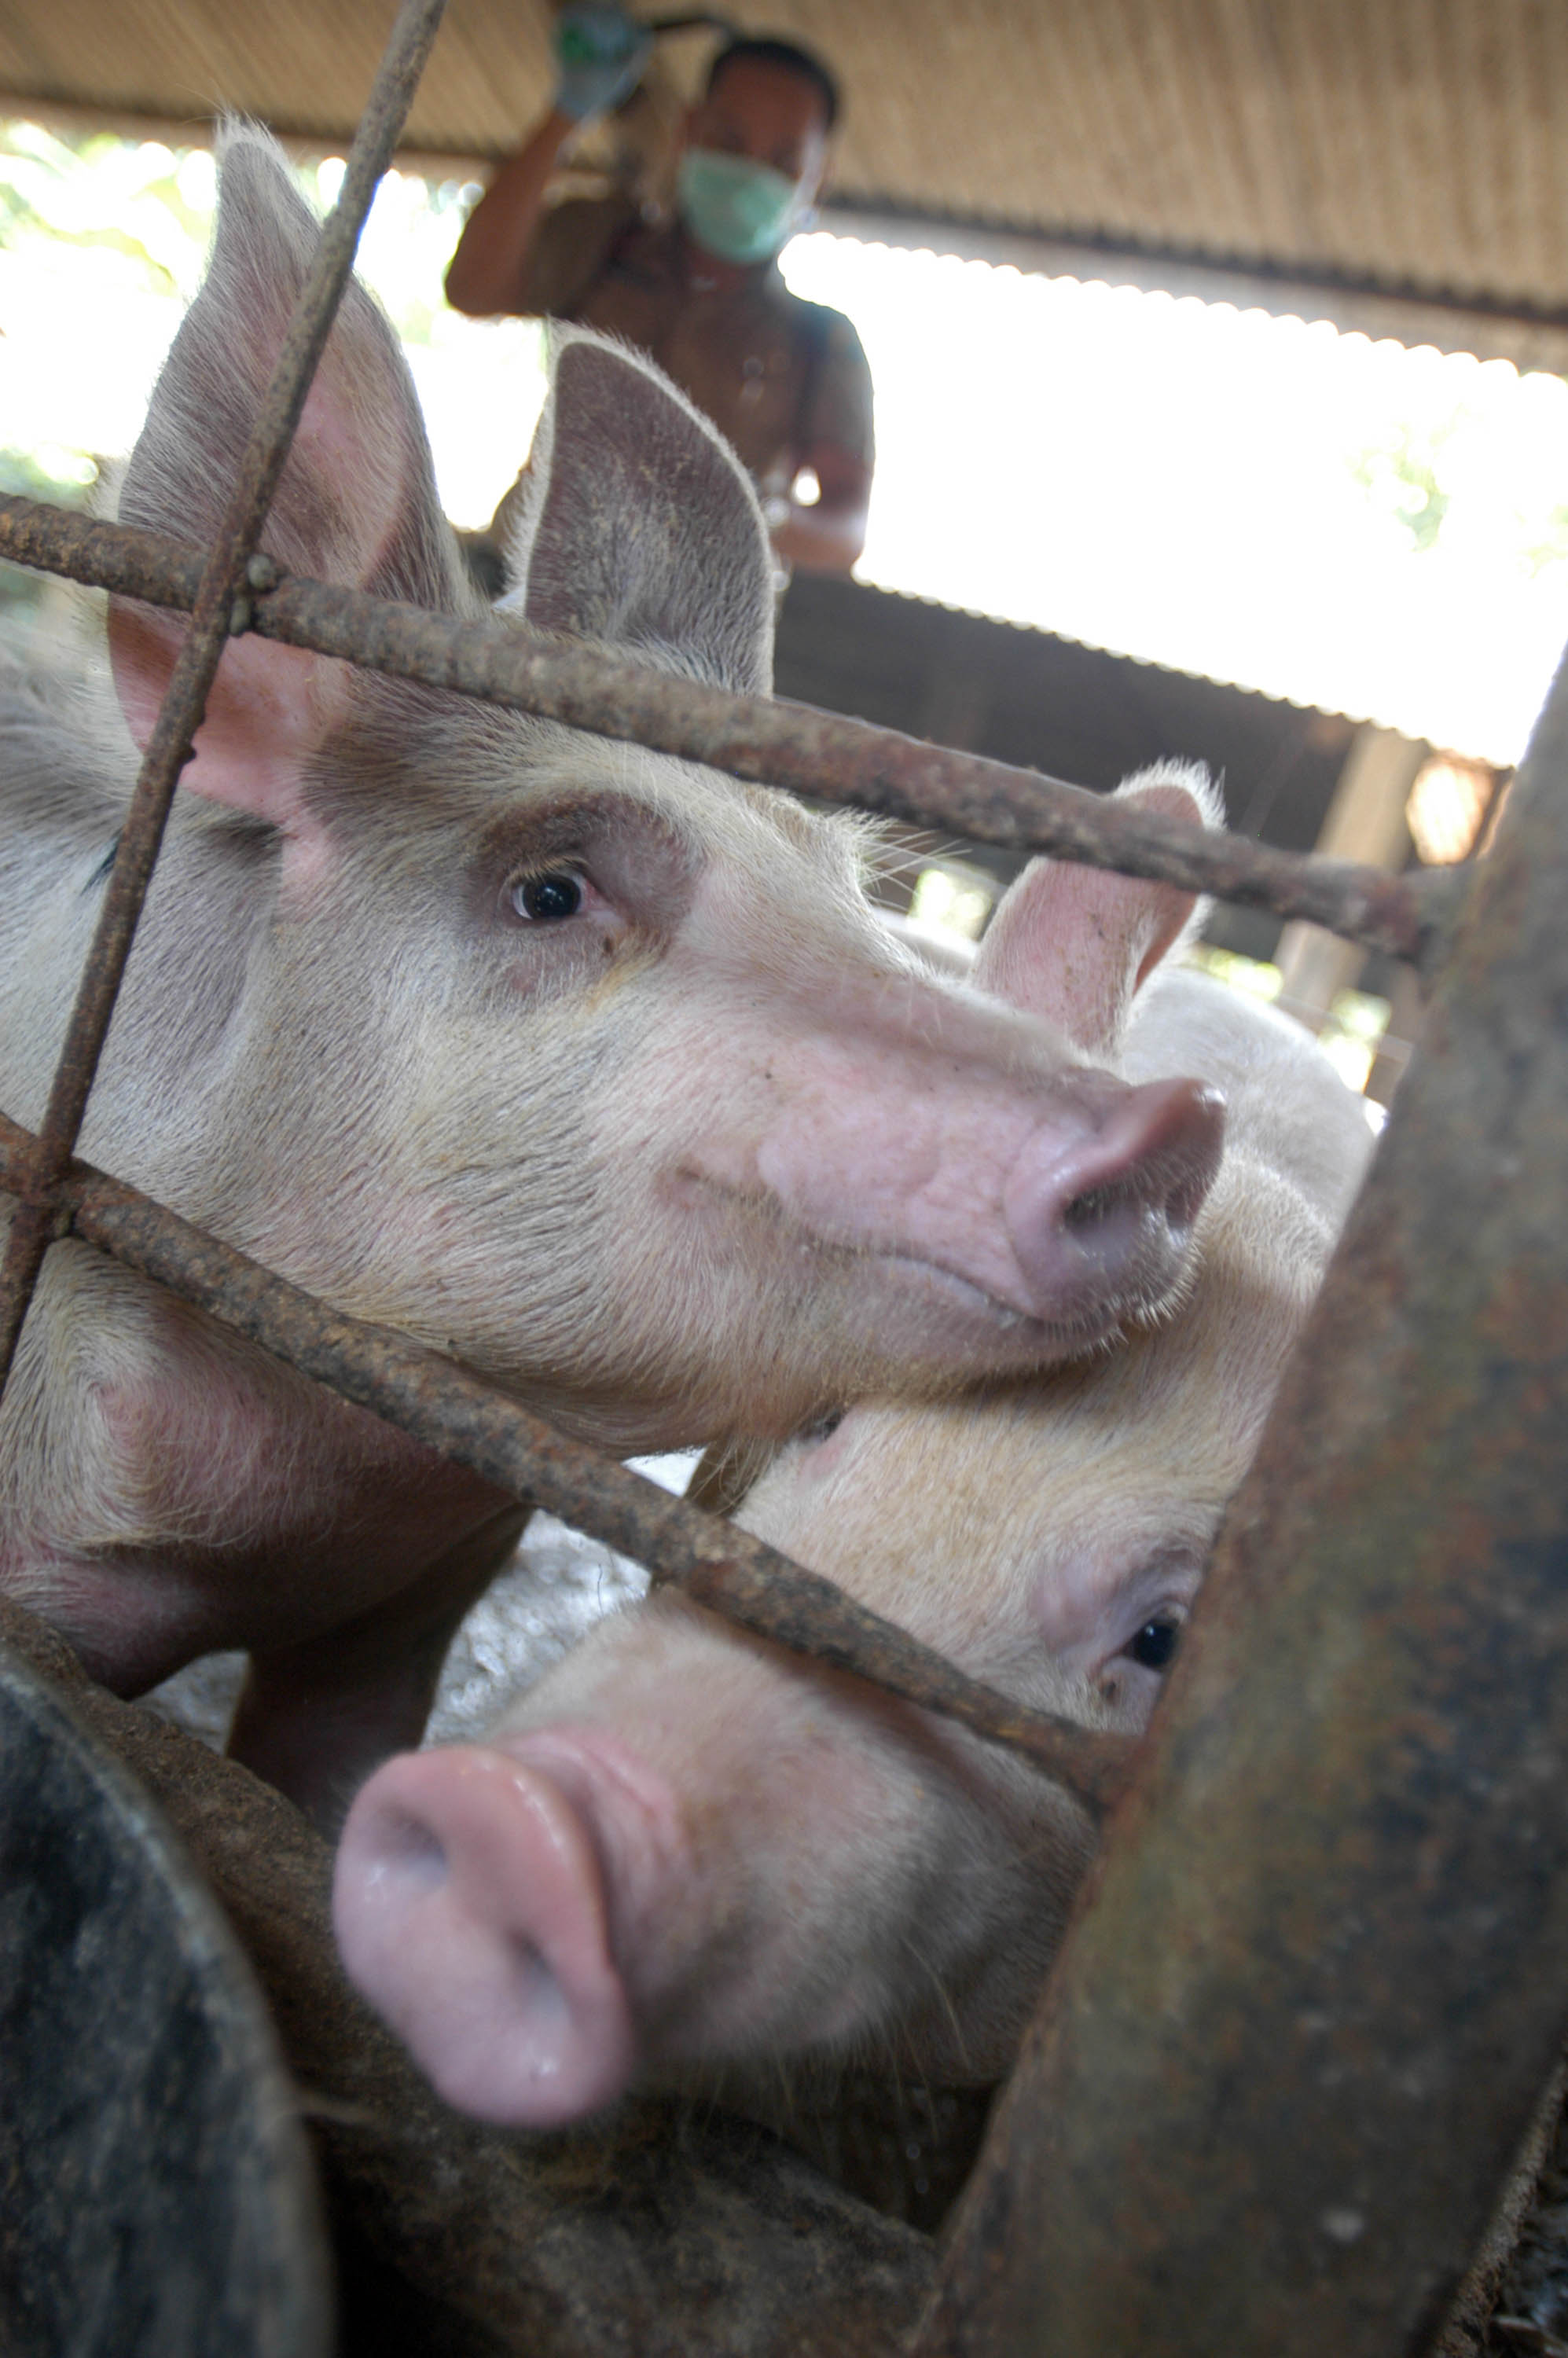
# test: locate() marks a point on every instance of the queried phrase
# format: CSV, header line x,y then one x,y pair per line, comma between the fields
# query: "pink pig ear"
x,y
639,526
356,504
1075,944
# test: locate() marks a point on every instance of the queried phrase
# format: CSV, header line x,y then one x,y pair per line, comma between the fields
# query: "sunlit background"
x,y
1347,523
1377,531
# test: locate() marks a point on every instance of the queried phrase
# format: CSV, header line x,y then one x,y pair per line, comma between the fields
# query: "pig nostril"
x,y
539,1989
410,1849
1175,1197
1094,1208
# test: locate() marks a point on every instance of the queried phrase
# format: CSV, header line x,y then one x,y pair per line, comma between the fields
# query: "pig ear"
x,y
639,526
356,504
1074,944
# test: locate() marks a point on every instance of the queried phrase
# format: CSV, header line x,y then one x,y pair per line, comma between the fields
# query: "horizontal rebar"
x,y
766,741
469,1421
222,577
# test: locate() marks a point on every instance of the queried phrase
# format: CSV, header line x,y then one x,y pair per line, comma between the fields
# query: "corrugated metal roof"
x,y
1414,146
840,614
1046,702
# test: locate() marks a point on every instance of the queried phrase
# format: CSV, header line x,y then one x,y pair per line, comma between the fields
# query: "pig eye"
x,y
1154,1647
554,894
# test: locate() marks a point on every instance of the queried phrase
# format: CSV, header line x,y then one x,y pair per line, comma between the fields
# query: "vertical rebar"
x,y
34,1223
1291,2048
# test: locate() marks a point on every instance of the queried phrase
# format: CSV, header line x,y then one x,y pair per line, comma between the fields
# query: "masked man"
x,y
786,381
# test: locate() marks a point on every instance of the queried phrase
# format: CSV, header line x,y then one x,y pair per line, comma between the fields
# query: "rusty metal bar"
x,y
35,1225
758,738
481,2243
1293,2046
467,1419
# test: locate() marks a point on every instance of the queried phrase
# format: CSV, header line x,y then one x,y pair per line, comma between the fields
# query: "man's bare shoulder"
x,y
570,247
814,324
838,408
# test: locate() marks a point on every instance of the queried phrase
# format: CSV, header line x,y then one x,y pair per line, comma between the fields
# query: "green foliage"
x,y
1550,545
1404,471
91,190
58,475
1449,479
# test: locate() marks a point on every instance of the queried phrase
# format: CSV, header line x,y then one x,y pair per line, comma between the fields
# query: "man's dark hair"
x,y
791,58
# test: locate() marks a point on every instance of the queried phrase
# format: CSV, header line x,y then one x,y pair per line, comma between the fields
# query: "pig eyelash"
x,y
892,861
552,895
928,1968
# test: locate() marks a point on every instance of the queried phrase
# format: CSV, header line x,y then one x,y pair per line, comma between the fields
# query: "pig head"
x,y
686,1856
589,1067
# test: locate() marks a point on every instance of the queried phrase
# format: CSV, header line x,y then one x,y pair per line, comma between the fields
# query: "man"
x,y
786,381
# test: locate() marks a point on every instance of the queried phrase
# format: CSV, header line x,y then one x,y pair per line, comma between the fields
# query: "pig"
x,y
588,1066
685,1858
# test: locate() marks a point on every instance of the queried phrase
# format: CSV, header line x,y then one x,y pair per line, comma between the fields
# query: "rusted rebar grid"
x,y
468,1421
768,741
1289,2054
213,613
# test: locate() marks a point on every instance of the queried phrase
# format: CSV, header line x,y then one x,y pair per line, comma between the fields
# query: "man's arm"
x,y
600,52
487,271
839,448
828,536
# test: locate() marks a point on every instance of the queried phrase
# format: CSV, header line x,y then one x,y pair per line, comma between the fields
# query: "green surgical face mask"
x,y
739,209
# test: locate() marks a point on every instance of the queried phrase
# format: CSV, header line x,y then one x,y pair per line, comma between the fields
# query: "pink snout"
x,y
1105,1219
471,1910
1071,1204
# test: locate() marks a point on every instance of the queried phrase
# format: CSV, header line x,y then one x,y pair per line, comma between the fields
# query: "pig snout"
x,y
1107,1220
471,1909
1072,1212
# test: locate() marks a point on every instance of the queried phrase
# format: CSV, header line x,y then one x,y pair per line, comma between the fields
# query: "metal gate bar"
x,y
471,1422
758,738
1314,1993
217,605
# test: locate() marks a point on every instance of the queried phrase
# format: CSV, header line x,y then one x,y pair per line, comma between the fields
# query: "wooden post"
x,y
1366,821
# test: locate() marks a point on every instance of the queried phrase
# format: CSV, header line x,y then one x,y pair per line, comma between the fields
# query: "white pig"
x,y
685,1856
584,1064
